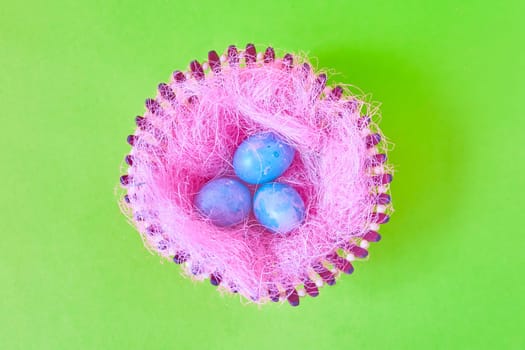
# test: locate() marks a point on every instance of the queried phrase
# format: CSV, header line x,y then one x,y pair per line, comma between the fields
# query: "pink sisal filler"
x,y
188,136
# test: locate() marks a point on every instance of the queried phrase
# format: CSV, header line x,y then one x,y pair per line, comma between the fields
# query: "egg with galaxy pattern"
x,y
278,207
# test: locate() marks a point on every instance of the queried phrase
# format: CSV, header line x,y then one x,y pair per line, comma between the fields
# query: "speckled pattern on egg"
x,y
262,157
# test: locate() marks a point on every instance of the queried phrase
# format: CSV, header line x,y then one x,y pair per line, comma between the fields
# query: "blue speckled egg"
x,y
262,157
224,201
278,207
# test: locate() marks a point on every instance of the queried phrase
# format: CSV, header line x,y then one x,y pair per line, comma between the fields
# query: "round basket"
x,y
188,136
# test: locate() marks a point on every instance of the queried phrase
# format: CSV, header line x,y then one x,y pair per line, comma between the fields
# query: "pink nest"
x,y
188,136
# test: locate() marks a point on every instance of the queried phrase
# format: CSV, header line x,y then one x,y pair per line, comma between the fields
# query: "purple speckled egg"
x,y
224,201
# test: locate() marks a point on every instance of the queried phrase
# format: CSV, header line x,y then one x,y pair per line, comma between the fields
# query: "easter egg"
x,y
224,201
262,157
278,207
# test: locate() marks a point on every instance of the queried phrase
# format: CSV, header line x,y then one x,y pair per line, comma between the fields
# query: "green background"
x,y
448,273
